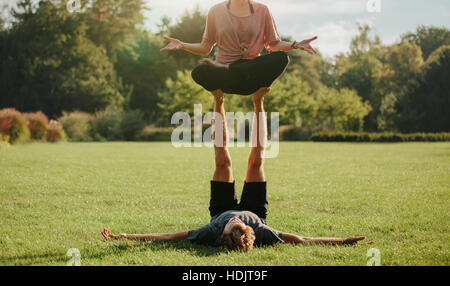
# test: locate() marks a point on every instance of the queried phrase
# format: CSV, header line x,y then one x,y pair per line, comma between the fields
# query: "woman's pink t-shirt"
x,y
240,37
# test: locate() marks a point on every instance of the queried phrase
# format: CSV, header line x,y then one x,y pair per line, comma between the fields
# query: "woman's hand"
x,y
174,44
305,46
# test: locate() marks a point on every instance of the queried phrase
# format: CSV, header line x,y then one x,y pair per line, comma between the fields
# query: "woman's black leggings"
x,y
243,77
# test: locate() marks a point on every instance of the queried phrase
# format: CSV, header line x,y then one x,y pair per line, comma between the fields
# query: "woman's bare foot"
x,y
213,63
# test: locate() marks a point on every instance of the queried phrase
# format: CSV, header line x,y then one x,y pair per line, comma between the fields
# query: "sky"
x,y
333,21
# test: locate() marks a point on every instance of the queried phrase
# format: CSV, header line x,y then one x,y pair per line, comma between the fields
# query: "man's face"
x,y
232,223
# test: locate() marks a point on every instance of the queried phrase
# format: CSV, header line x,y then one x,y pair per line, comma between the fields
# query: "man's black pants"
x,y
253,198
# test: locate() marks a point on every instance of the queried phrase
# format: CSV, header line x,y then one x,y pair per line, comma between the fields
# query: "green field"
x,y
56,197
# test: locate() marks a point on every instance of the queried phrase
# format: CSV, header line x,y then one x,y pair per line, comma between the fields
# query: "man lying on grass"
x,y
237,226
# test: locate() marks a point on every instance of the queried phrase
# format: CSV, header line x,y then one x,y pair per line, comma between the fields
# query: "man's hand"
x,y
355,240
108,235
305,45
174,44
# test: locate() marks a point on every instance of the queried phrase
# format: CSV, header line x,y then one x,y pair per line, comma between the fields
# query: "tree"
x,y
48,64
112,23
145,69
312,69
341,110
388,114
164,26
402,64
360,70
428,39
291,96
189,28
300,105
425,107
180,95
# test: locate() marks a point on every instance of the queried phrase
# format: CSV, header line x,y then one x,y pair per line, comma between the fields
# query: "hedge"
x,y
292,133
379,137
151,133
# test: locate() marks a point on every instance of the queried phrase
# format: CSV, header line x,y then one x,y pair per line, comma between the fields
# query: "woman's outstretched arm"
x,y
204,48
179,236
295,239
304,45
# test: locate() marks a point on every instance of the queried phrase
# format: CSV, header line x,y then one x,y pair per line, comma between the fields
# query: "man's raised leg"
x,y
223,195
254,193
255,168
223,171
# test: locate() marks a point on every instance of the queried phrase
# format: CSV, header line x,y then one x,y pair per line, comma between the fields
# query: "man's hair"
x,y
238,239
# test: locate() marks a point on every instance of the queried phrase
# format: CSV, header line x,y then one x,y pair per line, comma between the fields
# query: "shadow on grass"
x,y
34,259
115,247
191,248
111,248
119,248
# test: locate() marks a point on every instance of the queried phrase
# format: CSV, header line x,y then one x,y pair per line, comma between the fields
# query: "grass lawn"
x,y
59,196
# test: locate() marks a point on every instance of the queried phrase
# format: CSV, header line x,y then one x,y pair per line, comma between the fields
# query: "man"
x,y
237,226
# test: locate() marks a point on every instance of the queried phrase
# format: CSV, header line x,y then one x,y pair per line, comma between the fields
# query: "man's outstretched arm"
x,y
179,236
296,239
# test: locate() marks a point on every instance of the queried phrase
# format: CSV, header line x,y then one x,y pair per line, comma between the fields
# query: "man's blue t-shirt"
x,y
210,234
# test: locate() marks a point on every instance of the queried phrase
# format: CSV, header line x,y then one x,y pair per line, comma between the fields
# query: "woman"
x,y
241,29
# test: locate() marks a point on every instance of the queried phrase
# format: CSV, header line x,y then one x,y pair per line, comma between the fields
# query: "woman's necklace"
x,y
249,3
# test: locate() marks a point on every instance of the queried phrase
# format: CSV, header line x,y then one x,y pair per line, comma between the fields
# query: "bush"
x,y
55,132
132,124
107,124
4,138
13,126
4,141
152,133
37,124
379,137
77,125
292,133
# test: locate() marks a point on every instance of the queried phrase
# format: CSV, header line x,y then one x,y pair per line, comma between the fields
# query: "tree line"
x,y
102,57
